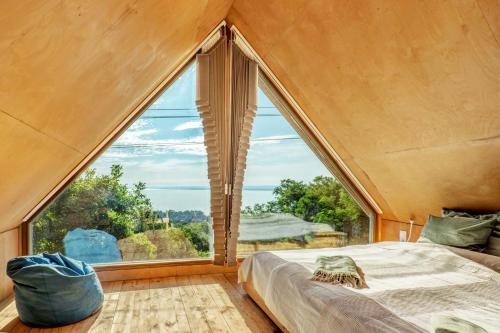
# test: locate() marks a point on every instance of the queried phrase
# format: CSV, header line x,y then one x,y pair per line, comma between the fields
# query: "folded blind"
x,y
227,130
210,101
243,108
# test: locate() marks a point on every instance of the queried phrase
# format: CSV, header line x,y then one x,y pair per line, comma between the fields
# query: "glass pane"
x,y
146,198
291,200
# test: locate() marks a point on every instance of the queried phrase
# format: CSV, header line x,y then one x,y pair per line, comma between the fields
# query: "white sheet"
x,y
408,284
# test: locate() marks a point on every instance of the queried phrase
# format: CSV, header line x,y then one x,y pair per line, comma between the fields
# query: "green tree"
x,y
288,194
93,202
198,234
187,216
323,200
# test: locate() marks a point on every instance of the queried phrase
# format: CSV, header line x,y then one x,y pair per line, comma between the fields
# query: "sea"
x,y
198,197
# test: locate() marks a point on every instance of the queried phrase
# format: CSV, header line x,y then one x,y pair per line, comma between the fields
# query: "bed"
x,y
409,285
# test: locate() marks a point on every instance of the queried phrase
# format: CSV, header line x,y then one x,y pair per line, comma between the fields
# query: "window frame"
x,y
294,116
307,135
27,237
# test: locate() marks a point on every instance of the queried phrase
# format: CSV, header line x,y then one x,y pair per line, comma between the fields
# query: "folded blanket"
x,y
449,324
338,270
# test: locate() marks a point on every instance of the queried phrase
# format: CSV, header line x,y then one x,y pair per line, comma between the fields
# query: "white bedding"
x,y
409,283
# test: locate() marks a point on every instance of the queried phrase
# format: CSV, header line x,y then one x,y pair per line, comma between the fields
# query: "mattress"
x,y
409,284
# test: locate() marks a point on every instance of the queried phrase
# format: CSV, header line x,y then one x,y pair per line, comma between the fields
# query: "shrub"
x,y
198,234
171,243
137,247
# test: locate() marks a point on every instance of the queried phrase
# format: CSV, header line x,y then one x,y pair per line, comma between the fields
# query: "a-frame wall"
x,y
292,115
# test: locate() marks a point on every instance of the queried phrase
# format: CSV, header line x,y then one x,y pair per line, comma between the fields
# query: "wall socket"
x,y
402,235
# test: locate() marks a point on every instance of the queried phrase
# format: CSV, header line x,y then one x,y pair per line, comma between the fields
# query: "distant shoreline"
x,y
197,197
206,188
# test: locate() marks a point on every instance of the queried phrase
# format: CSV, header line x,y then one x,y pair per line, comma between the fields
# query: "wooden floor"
x,y
198,303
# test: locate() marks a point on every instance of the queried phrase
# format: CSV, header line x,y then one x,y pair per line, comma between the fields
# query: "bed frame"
x,y
260,302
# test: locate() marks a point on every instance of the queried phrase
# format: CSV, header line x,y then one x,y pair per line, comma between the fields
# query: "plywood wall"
x,y
9,248
407,92
71,71
390,230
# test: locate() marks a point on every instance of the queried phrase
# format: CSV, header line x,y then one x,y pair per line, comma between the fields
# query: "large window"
x,y
146,198
149,197
290,199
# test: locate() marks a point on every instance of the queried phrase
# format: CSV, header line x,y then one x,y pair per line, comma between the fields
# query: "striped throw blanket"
x,y
338,270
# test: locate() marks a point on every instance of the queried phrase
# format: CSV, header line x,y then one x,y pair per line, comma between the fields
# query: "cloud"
x,y
140,123
139,145
113,154
189,125
272,139
132,137
139,141
166,171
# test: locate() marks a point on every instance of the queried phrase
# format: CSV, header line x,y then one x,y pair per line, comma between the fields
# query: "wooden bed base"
x,y
260,302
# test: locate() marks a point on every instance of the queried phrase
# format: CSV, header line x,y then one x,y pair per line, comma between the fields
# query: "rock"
x,y
92,246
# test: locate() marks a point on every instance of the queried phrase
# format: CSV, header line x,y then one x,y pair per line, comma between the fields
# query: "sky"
x,y
164,148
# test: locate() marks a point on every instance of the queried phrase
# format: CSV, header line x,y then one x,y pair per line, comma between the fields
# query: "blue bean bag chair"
x,y
54,290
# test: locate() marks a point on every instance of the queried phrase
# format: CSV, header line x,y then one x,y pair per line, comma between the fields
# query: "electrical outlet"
x,y
402,235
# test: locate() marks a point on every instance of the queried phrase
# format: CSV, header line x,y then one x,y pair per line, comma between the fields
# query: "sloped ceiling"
x,y
71,71
407,92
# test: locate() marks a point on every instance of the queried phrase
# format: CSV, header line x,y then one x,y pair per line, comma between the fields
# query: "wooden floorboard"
x,y
197,303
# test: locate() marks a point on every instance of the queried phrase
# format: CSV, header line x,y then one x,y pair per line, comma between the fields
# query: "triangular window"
x,y
217,165
290,199
145,198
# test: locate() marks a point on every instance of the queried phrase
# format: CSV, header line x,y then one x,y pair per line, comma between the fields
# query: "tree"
x,y
187,216
288,194
93,202
198,234
323,200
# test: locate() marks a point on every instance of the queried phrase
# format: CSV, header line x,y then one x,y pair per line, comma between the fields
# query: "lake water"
x,y
199,199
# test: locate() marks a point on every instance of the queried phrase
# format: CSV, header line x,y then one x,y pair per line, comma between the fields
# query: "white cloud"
x,y
189,125
113,154
171,171
265,140
132,137
140,123
137,142
138,145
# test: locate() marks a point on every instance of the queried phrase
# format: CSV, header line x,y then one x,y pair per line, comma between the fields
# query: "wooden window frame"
x,y
313,137
295,115
157,90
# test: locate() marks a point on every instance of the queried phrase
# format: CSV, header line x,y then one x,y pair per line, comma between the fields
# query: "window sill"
x,y
150,264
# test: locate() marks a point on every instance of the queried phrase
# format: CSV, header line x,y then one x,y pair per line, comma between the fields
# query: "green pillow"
x,y
457,231
493,245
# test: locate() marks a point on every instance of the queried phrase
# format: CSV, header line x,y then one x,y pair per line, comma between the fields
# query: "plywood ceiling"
x,y
407,92
70,71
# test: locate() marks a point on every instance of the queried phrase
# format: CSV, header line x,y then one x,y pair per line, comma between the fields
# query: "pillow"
x,y
457,231
493,243
453,213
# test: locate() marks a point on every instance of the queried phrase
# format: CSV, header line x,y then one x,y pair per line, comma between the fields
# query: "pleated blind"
x,y
227,130
210,101
243,108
